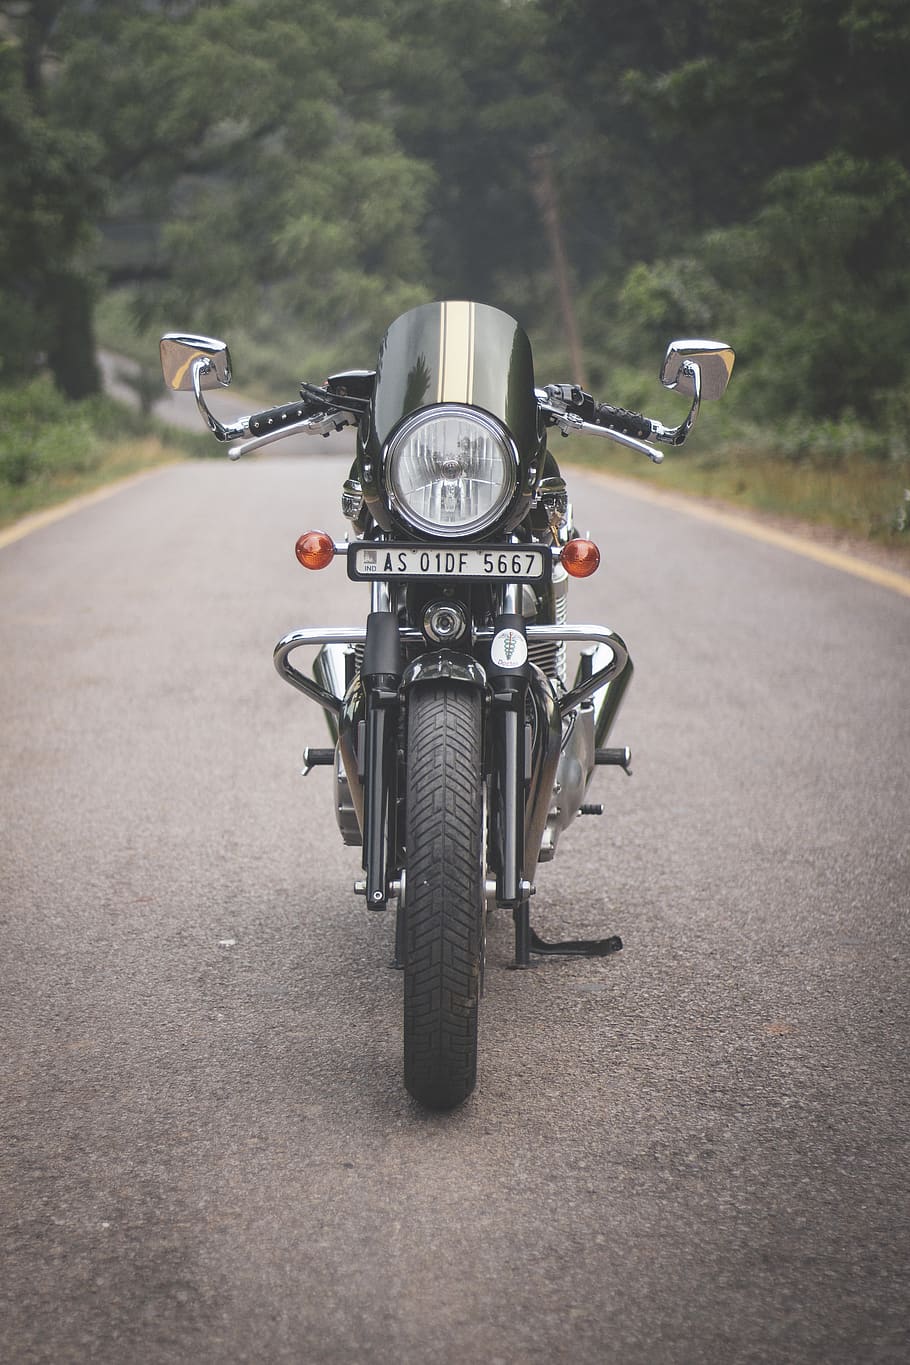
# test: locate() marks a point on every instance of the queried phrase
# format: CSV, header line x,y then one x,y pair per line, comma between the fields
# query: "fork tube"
x,y
508,677
381,675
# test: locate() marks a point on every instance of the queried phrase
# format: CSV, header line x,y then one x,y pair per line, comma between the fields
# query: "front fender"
x,y
444,665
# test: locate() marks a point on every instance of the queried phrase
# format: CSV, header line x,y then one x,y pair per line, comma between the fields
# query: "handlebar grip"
x,y
285,416
619,419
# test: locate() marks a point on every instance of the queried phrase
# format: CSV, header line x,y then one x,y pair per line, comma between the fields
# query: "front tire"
x,y
444,893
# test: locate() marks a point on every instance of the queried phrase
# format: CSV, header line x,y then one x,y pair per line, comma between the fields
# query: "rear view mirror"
x,y
713,358
180,351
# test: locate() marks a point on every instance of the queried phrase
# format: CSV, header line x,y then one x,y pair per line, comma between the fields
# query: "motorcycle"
x,y
460,748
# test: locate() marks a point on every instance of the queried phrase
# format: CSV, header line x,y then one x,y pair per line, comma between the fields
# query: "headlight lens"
x,y
451,472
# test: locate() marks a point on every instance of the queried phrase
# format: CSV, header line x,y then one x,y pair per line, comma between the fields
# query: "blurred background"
x,y
293,174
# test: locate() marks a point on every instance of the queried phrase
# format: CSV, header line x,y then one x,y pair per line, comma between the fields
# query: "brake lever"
x,y
569,422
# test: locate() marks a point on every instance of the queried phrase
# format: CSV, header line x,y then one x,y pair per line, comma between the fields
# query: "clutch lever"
x,y
323,424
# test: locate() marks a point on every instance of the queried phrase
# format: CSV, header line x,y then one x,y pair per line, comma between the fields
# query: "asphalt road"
x,y
695,1151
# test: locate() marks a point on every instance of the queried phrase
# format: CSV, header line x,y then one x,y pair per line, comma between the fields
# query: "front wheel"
x,y
444,893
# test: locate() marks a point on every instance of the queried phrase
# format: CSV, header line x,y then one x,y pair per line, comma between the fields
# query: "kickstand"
x,y
528,941
577,947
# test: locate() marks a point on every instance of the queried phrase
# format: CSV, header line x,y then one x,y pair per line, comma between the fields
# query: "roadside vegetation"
x,y
842,475
688,170
53,448
856,500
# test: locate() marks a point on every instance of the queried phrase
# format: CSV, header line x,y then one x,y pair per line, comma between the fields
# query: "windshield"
x,y
457,352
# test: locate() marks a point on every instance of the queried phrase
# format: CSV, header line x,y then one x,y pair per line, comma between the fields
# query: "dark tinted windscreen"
x,y
457,352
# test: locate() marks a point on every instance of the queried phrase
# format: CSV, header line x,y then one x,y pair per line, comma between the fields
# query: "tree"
x,y
745,169
472,98
50,192
819,284
294,198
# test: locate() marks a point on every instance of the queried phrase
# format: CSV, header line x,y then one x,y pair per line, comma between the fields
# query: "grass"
x,y
854,497
848,480
115,461
52,450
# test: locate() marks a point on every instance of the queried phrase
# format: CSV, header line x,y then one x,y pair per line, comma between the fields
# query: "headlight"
x,y
451,471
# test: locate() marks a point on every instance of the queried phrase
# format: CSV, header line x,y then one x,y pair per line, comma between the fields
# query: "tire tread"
x,y
444,898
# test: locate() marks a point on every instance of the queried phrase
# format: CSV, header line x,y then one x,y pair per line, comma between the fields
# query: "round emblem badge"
x,y
509,649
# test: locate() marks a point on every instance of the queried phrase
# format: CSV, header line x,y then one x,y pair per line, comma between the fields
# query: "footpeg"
x,y
591,808
616,758
317,758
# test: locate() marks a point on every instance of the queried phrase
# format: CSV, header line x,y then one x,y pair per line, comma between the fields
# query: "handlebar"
x,y
323,410
272,418
571,409
620,419
318,412
575,400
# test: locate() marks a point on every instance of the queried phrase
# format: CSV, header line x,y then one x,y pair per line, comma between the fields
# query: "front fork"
x,y
507,678
509,752
381,674
508,748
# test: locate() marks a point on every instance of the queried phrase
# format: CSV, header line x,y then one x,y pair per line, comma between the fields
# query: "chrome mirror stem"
x,y
203,366
674,436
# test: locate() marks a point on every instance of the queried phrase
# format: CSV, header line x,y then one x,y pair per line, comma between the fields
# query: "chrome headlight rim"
x,y
497,514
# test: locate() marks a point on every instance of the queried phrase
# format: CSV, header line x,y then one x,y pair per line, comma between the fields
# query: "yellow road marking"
x,y
746,526
36,520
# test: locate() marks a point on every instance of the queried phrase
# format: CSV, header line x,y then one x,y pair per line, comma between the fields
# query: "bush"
x,y
43,435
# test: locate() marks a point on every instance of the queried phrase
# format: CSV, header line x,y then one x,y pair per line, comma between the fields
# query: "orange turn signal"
x,y
315,549
580,558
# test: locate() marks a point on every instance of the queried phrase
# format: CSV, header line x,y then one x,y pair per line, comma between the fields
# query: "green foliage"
x,y
295,196
52,448
668,298
473,97
43,434
293,173
819,283
765,156
298,198
48,188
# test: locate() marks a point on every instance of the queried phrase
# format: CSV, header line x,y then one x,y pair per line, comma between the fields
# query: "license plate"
x,y
514,563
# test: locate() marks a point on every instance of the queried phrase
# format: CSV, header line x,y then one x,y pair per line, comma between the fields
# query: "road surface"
x,y
695,1151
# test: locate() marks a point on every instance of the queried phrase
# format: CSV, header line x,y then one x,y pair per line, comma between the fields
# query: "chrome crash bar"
x,y
356,635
